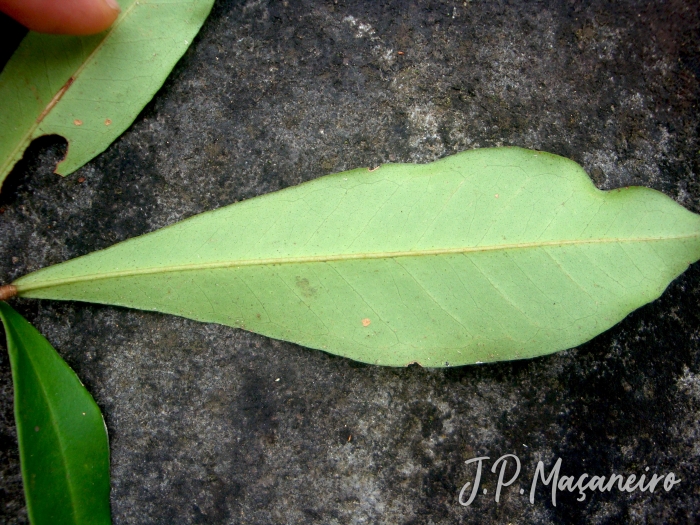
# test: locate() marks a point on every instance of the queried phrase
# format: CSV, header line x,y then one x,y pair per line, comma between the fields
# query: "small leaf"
x,y
62,438
90,89
487,255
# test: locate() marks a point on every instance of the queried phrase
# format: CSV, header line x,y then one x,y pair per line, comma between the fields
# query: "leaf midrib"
x,y
29,135
332,258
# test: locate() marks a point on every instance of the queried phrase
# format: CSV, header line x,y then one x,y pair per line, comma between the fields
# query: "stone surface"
x,y
211,425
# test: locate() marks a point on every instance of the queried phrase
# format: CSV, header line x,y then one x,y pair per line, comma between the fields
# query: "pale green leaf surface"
x,y
487,255
90,89
63,445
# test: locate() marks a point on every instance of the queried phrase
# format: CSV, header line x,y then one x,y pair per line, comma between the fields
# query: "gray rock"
x,y
214,425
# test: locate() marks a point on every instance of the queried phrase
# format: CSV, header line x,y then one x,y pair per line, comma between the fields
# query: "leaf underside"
x,y
63,445
90,89
487,255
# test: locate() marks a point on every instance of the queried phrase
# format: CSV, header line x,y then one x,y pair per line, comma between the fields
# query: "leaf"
x,y
90,89
62,438
487,255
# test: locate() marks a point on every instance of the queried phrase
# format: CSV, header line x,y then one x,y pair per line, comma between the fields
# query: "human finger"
x,y
68,17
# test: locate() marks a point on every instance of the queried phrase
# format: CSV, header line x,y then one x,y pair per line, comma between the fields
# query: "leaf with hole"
x,y
63,446
487,255
89,89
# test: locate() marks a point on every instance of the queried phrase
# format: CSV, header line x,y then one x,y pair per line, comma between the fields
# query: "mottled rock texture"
x,y
211,425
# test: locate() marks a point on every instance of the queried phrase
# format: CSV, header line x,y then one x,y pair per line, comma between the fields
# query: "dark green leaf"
x,y
62,438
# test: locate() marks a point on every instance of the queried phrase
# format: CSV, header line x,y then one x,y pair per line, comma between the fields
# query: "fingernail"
x,y
113,5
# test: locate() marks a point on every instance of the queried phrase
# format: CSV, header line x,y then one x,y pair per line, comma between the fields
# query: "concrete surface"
x,y
275,93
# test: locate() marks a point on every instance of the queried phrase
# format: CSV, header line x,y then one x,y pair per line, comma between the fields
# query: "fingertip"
x,y
114,5
68,17
109,12
96,16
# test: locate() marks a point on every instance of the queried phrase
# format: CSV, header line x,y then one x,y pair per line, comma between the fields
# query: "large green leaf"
x,y
62,438
486,255
90,89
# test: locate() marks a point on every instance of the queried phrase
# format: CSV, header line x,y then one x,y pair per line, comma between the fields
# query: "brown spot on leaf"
x,y
366,322
107,122
78,122
55,99
306,289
